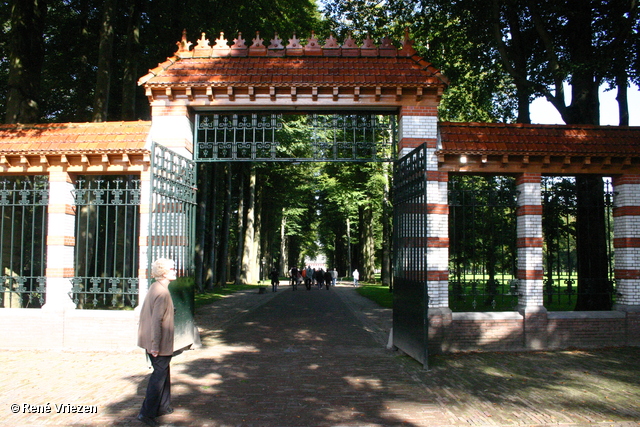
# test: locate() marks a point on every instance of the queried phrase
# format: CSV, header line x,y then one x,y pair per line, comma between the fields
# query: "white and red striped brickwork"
x,y
418,125
626,239
60,241
529,240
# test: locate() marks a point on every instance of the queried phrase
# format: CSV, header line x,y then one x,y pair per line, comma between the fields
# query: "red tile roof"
x,y
72,138
297,71
521,139
294,65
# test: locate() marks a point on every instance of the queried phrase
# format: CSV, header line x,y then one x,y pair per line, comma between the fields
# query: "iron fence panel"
x,y
106,250
559,211
23,231
482,243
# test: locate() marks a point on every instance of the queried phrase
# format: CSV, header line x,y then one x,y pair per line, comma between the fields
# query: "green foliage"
x,y
145,34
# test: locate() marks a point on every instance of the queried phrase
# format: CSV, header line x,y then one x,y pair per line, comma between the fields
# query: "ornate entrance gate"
x,y
410,293
172,231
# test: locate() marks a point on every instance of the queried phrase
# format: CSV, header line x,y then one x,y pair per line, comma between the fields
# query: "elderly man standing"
x,y
155,335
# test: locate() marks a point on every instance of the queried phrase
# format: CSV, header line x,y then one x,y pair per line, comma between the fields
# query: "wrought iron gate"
x,y
172,231
410,292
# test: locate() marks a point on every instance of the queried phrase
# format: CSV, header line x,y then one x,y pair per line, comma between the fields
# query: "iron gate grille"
x,y
173,203
482,243
106,250
350,137
23,230
559,223
410,293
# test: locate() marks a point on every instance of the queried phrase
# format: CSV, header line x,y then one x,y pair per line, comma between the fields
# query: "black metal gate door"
x,y
410,293
172,233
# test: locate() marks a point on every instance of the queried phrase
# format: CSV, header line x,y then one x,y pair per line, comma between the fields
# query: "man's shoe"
x,y
148,421
167,411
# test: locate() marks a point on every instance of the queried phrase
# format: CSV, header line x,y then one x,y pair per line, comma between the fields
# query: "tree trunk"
x,y
131,59
367,244
249,230
623,98
226,228
201,214
103,82
387,230
213,236
256,250
84,75
349,256
241,225
26,56
590,218
283,244
591,242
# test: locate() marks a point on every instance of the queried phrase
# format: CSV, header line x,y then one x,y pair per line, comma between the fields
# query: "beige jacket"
x,y
155,331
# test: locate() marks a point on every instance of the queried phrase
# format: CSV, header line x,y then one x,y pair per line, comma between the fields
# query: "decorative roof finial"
x,y
407,45
202,42
184,45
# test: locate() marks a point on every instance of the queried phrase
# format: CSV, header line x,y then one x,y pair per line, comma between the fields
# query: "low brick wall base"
x,y
94,330
532,330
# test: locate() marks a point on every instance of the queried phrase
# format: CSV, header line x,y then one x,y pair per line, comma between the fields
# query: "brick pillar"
x,y
171,127
419,125
626,243
530,271
60,241
626,239
437,239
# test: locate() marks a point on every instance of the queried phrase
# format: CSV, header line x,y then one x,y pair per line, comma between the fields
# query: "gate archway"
x,y
362,103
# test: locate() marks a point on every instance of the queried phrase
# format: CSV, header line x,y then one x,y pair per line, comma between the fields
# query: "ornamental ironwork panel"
x,y
172,232
410,291
295,137
106,250
23,230
173,203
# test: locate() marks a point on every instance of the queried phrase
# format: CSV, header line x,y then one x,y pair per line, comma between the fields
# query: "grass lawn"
x,y
377,293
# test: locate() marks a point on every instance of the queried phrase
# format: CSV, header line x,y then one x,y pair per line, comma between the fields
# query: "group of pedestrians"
x,y
312,277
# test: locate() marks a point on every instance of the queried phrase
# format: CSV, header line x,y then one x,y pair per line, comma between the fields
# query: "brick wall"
x,y
94,330
512,331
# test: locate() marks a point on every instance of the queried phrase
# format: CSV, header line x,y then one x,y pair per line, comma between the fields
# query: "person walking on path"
x,y
275,280
327,279
155,335
334,277
356,278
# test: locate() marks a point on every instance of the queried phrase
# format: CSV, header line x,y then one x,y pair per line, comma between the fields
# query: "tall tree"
x,y
26,55
131,54
105,57
247,267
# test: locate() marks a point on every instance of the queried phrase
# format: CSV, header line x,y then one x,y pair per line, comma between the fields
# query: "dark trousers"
x,y
158,397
